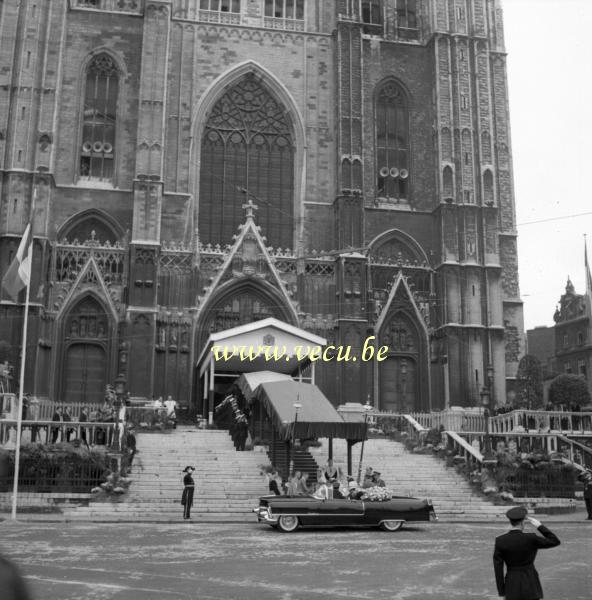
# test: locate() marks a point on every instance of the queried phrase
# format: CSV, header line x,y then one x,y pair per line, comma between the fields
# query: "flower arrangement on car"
x,y
377,494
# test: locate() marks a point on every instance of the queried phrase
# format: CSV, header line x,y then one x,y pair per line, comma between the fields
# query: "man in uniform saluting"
x,y
518,550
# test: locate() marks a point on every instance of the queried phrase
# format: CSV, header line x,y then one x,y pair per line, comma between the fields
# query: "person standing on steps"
x,y
517,550
188,489
588,493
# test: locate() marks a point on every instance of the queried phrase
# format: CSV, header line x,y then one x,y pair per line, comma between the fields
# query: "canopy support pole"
x,y
211,391
288,454
350,443
273,446
330,449
204,396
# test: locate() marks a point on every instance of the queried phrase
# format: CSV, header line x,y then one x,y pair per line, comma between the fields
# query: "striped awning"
x,y
316,417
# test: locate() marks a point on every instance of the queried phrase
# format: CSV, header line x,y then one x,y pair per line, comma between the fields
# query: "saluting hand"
x,y
534,522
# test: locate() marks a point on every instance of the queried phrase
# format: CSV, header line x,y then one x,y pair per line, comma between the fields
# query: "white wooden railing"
x,y
518,420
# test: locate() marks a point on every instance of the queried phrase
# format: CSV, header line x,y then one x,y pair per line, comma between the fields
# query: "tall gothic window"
x,y
97,152
284,9
232,6
247,151
407,23
392,142
406,14
371,11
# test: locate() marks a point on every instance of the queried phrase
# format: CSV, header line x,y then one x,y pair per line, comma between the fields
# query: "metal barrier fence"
x,y
54,477
47,408
52,432
542,484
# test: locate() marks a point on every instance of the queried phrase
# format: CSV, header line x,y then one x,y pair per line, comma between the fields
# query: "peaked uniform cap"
x,y
516,513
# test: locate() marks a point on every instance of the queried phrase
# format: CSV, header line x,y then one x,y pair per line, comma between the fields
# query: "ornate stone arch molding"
x,y
90,217
213,314
207,102
89,282
394,80
393,241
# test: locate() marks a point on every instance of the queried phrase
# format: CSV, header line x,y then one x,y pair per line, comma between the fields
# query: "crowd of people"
x,y
330,483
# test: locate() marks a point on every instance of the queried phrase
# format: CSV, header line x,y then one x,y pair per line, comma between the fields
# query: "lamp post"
x,y
485,402
120,384
367,409
297,407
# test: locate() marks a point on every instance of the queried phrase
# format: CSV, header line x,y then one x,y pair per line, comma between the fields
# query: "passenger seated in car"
x,y
354,492
302,487
292,485
368,478
337,495
322,491
376,480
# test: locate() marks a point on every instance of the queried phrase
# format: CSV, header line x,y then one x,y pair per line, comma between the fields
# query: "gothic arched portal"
x,y
247,150
401,372
85,365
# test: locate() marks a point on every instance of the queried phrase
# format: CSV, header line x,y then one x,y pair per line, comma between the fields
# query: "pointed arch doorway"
x,y
399,372
86,352
403,378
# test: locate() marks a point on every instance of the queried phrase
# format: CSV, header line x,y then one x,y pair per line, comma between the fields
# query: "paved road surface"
x,y
247,561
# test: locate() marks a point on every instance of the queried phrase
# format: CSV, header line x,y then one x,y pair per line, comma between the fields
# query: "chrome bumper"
x,y
264,516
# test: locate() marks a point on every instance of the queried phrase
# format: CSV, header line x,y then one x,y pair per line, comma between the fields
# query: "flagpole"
x,y
19,416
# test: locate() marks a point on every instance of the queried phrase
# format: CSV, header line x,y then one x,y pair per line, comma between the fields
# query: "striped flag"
x,y
19,273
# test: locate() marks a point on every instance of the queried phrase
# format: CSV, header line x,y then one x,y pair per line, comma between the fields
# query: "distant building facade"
x,y
373,137
573,334
567,346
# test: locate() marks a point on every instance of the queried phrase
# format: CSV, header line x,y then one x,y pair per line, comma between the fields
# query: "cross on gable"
x,y
250,208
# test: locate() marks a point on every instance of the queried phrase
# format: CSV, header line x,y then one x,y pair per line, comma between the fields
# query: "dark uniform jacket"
x,y
518,550
188,489
588,489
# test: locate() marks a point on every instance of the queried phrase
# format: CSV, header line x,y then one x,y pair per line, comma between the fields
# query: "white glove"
x,y
534,522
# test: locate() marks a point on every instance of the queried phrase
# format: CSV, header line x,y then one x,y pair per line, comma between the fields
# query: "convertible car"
x,y
287,513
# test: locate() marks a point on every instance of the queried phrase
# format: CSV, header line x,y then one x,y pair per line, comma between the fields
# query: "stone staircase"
x,y
418,475
303,461
228,482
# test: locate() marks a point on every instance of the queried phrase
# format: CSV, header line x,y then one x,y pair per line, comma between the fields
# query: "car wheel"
x,y
392,525
288,523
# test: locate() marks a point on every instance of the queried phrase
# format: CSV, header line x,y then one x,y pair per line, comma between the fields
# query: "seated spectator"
x,y
275,483
330,471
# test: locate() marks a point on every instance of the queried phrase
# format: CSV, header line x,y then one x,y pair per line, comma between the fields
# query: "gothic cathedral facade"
x,y
372,136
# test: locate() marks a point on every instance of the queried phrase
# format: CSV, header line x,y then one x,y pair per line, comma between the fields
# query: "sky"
x,y
549,45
